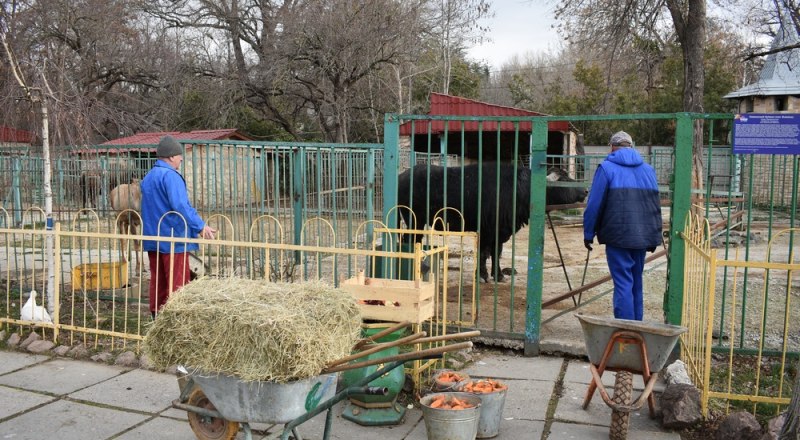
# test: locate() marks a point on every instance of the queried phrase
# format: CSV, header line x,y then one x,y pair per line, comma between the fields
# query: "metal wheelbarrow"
x,y
217,404
627,347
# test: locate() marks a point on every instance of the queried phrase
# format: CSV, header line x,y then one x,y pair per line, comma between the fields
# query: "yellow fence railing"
x,y
742,320
97,299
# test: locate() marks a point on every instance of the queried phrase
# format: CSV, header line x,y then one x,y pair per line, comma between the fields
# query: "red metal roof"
x,y
9,134
447,105
153,138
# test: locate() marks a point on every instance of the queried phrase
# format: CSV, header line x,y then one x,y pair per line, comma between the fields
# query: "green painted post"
x,y
533,314
681,186
16,193
298,193
391,165
370,207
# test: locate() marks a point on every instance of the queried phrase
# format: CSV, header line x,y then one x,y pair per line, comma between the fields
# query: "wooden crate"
x,y
383,299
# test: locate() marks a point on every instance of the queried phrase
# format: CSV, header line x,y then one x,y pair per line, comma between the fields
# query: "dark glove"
x,y
652,249
587,244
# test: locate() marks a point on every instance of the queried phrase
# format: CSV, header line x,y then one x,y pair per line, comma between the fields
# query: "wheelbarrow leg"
x,y
651,401
600,369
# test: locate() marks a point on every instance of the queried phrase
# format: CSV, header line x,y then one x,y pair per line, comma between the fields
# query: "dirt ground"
x,y
560,328
503,305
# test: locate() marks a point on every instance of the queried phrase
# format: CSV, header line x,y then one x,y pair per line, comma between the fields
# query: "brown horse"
x,y
126,200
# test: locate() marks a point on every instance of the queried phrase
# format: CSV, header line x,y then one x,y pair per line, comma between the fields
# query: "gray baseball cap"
x,y
168,147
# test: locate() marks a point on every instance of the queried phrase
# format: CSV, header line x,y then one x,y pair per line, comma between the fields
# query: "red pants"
x,y
167,274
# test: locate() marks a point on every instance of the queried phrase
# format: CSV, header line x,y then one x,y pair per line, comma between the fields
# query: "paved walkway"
x,y
44,397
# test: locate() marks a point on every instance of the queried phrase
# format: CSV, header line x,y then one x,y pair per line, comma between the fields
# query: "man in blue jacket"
x,y
624,211
166,212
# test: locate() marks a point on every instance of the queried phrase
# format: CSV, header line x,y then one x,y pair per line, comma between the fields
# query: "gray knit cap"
x,y
168,147
620,139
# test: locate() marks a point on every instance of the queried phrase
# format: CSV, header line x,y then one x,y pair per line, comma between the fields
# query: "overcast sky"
x,y
518,27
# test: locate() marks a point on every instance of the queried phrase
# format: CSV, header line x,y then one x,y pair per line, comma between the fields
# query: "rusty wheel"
x,y
209,428
623,395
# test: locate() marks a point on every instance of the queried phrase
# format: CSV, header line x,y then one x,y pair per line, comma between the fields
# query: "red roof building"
x,y
10,135
145,142
428,136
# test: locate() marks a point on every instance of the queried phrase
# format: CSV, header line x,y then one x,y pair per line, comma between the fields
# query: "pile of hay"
x,y
254,330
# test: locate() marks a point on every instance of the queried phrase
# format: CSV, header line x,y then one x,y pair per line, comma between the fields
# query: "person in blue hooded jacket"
x,y
166,212
624,212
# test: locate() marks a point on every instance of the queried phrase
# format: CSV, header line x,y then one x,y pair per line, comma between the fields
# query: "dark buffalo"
x,y
498,221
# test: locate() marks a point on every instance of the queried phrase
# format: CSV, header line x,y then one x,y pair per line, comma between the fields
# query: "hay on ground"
x,y
254,330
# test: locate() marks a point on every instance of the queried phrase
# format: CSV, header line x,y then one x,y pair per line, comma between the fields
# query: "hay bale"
x,y
254,330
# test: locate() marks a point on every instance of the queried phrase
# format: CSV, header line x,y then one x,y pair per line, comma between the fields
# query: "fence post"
x,y
681,187
391,145
298,196
15,189
533,315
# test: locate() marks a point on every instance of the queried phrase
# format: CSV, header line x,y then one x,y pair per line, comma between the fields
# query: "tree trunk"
x,y
791,424
690,26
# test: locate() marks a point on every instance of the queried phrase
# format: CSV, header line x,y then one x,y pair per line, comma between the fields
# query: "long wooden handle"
x,y
401,357
381,334
449,337
376,348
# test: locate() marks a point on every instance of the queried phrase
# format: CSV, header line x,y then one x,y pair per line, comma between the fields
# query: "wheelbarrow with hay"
x,y
627,347
218,404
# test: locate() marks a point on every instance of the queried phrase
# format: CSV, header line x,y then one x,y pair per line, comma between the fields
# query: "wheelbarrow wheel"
x,y
209,428
623,395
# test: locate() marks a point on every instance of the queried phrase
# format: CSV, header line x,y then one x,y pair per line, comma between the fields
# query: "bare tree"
x,y
611,25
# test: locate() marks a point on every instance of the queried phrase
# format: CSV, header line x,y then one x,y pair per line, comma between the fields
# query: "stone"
x,y
78,352
144,362
61,350
127,359
676,373
172,369
2,335
774,426
740,426
13,340
102,357
680,406
41,346
30,339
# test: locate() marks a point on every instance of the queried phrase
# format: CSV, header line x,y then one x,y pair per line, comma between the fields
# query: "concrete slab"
x,y
570,409
161,427
60,376
66,420
568,431
527,399
578,372
14,361
517,367
509,430
139,390
15,401
342,429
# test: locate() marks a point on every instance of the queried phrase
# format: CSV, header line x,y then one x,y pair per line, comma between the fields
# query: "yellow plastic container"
x,y
100,276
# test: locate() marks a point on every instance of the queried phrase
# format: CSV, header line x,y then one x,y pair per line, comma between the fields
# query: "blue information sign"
x,y
766,133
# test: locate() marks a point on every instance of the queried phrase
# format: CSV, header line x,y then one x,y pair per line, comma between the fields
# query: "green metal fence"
x,y
352,183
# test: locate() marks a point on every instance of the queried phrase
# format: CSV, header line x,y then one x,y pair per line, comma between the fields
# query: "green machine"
x,y
376,410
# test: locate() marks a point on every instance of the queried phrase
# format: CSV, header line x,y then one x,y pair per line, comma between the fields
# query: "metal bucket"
x,y
440,387
448,424
491,413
